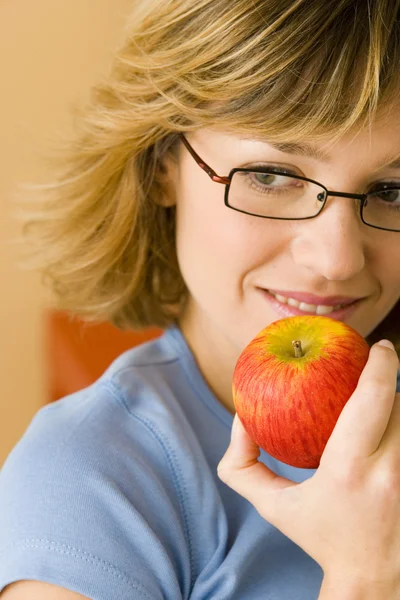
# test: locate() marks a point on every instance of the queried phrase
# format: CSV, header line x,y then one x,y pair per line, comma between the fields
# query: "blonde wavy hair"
x,y
291,69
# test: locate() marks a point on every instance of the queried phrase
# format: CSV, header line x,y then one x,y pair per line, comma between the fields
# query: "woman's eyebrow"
x,y
299,149
311,152
395,164
389,163
305,149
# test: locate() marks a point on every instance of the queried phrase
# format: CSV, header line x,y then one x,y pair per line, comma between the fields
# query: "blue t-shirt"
x,y
113,492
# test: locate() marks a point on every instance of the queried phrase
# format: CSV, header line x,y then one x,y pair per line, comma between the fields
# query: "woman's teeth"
x,y
317,309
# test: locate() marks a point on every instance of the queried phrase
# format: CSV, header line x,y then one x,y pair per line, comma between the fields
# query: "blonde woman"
x,y
240,164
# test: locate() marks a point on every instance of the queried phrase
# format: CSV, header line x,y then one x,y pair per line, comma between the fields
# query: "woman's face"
x,y
228,259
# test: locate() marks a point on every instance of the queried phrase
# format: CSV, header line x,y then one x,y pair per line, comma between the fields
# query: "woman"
x,y
201,194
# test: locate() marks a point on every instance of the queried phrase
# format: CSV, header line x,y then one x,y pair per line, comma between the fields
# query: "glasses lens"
x,y
275,195
382,209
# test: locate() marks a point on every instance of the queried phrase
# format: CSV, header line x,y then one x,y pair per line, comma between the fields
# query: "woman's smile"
x,y
289,307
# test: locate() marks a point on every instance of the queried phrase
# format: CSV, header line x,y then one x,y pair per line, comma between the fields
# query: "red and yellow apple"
x,y
292,381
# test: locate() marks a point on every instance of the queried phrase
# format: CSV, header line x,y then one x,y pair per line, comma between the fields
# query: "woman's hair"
x,y
288,69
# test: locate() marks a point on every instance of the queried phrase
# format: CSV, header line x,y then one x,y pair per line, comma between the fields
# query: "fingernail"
x,y
386,343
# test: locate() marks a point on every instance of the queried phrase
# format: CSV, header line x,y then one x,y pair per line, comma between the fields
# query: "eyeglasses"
x,y
280,194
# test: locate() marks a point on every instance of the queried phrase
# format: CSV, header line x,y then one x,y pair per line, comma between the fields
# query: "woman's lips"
x,y
316,300
286,310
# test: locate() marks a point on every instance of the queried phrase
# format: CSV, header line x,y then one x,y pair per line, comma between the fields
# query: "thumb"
x,y
241,470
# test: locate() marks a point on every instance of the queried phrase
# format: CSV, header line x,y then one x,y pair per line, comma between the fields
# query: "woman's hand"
x,y
347,515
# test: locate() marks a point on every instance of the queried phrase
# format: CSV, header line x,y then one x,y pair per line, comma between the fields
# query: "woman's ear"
x,y
166,179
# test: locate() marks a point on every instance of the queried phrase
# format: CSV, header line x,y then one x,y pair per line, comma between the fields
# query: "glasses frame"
x,y
226,180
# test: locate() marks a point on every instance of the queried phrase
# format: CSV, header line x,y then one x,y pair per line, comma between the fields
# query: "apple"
x,y
292,381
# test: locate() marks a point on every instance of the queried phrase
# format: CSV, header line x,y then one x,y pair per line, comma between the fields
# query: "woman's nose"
x,y
333,243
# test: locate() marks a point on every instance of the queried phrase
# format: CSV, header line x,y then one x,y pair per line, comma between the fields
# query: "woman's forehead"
x,y
376,145
384,127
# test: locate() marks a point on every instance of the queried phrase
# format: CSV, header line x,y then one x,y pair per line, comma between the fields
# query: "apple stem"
x,y
298,350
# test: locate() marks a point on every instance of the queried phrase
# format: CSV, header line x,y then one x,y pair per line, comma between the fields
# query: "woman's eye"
x,y
388,195
390,192
274,179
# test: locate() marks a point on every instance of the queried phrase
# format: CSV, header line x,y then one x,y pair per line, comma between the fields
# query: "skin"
x,y
225,255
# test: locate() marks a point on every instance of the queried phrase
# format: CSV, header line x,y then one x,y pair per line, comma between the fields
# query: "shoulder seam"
x,y
172,462
118,372
66,549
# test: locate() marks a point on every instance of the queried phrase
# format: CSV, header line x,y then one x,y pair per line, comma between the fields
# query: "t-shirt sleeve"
x,y
88,501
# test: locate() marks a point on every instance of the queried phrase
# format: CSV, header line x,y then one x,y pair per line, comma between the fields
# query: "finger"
x,y
391,438
241,470
364,419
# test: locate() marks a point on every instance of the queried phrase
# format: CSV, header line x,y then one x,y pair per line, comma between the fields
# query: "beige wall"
x,y
50,53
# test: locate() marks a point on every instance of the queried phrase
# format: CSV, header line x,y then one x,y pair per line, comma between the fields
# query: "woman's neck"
x,y
215,356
